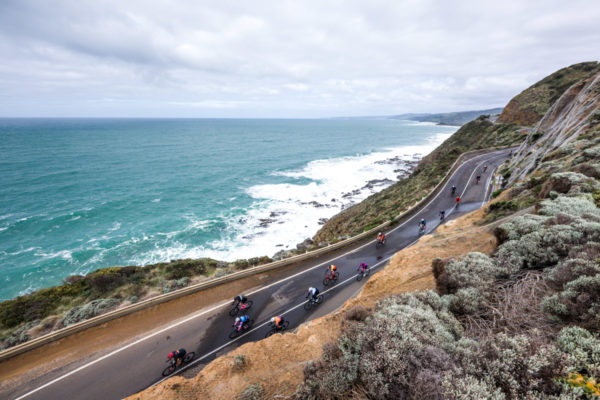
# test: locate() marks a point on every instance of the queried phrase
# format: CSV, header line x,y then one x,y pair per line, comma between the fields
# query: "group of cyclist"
x,y
277,322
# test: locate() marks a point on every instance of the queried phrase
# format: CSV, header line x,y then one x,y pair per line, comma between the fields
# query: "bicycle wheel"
x,y
189,357
286,325
249,304
308,305
169,370
233,312
378,244
319,299
234,334
359,276
336,275
271,331
326,281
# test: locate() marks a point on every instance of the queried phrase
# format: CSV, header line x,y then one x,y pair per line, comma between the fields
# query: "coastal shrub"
x,y
503,205
184,268
475,270
583,349
239,363
103,281
459,387
19,336
571,183
579,302
496,193
241,264
38,305
89,310
253,391
569,270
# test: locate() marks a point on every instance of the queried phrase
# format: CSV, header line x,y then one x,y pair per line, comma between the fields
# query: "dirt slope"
x,y
277,363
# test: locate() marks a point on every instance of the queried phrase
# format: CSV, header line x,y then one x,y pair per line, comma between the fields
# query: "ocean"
x,y
81,194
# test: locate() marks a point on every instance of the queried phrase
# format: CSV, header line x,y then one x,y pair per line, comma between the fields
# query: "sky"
x,y
282,59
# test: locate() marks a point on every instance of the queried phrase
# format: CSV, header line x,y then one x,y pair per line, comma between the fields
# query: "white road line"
x,y
226,303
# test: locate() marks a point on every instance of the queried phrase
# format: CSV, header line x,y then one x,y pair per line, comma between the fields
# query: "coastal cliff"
x,y
507,299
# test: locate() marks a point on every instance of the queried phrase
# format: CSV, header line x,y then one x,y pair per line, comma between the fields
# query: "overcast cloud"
x,y
282,58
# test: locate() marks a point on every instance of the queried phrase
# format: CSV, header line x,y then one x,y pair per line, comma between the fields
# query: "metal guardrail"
x,y
142,305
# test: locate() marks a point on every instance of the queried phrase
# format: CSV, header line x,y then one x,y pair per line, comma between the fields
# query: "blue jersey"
x,y
244,318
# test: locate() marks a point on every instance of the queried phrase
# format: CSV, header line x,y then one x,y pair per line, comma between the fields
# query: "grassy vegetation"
x,y
83,297
390,202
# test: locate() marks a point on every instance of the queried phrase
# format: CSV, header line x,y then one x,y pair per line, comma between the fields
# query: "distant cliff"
x,y
452,118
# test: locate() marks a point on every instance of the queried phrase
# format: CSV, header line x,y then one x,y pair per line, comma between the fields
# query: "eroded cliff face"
x,y
277,363
572,117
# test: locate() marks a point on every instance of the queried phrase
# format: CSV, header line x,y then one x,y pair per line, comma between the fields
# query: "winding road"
x,y
137,364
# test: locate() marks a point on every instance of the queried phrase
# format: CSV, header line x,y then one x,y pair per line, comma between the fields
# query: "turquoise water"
x,y
82,194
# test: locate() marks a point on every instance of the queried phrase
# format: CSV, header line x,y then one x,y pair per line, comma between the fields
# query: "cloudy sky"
x,y
165,58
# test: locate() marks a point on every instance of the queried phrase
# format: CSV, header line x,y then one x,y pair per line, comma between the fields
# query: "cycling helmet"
x,y
171,355
237,319
272,319
311,288
379,233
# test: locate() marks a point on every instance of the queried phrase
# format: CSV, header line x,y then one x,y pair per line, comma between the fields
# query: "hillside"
x,y
516,308
477,134
451,118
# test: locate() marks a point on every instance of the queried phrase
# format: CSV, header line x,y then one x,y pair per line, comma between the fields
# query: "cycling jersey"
x,y
363,267
332,267
313,292
277,321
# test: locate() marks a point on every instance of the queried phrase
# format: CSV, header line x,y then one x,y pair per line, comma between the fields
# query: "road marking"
x,y
124,347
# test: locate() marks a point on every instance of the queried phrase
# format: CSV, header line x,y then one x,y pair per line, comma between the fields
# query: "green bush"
x,y
253,391
89,310
504,205
583,349
184,268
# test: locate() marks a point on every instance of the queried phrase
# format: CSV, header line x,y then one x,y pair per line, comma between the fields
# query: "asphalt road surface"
x,y
138,364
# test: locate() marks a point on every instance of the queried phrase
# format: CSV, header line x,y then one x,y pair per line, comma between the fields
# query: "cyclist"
x,y
240,322
239,299
177,355
313,292
380,237
478,178
422,224
442,214
457,200
331,271
362,267
453,189
277,322
484,168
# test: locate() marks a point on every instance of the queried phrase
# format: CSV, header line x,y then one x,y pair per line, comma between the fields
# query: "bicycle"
x,y
331,277
245,327
275,330
421,230
361,274
173,364
313,302
380,243
240,307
